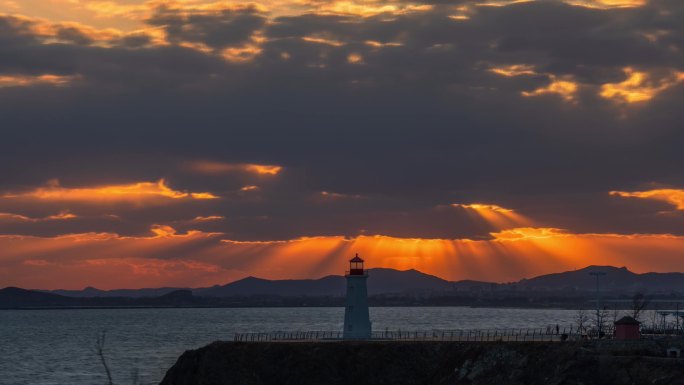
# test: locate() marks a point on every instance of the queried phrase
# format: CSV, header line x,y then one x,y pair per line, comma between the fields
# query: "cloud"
x,y
514,70
210,167
328,195
566,89
28,81
496,217
607,4
523,107
674,197
168,258
208,218
639,86
141,192
22,218
217,26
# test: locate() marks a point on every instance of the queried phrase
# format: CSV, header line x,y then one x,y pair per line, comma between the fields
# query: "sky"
x,y
189,143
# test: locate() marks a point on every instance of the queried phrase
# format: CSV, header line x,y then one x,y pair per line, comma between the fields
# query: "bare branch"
x,y
99,350
639,302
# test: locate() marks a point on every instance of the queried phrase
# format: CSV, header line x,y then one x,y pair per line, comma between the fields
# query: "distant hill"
x,y
331,285
11,297
616,280
412,282
387,287
91,292
383,281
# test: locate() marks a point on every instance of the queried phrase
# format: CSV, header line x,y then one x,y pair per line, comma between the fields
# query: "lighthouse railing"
x,y
548,334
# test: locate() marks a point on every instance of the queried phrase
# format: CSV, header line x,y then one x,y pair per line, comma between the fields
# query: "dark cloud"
x,y
218,28
411,125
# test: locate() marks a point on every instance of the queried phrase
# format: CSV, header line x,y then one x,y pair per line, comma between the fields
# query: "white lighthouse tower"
x,y
357,323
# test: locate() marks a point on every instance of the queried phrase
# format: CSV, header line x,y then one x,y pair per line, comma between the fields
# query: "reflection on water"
x,y
56,347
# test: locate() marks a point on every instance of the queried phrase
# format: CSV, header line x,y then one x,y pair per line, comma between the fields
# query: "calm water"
x,y
56,347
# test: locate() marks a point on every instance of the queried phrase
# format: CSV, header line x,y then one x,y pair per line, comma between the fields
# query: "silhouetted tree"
x,y
639,302
601,323
581,320
99,350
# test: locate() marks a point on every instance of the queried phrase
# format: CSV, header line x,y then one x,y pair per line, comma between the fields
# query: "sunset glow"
x,y
135,192
219,168
509,255
514,70
496,216
25,81
607,4
566,89
639,86
196,142
674,197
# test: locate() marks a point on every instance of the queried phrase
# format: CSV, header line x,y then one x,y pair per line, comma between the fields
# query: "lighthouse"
x,y
357,323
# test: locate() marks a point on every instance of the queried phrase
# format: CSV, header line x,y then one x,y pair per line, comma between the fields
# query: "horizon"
x,y
187,142
341,275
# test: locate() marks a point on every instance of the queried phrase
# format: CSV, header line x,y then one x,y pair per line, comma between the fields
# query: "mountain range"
x,y
390,281
382,282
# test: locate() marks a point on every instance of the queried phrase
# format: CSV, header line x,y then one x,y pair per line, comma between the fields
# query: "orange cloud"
x,y
108,9
526,233
369,8
242,54
500,3
514,70
9,5
511,255
109,260
639,86
28,80
323,40
208,218
355,58
379,44
117,9
496,216
65,215
135,192
675,197
209,167
607,4
167,258
565,88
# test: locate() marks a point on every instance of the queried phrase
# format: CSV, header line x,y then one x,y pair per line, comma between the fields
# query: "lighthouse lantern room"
x,y
357,323
356,266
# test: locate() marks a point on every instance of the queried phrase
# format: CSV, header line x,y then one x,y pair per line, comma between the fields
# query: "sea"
x,y
57,347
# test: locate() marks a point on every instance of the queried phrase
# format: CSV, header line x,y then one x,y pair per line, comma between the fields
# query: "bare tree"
x,y
602,323
639,302
581,319
99,350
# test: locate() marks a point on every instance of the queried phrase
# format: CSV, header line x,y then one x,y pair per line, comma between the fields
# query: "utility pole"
x,y
599,321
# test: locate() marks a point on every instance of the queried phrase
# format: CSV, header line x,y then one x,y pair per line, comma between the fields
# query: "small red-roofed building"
x,y
627,328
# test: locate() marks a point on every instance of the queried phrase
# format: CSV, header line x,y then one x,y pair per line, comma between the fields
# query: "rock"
x,y
417,363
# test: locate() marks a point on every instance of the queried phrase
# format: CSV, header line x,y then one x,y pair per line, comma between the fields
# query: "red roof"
x,y
627,320
356,259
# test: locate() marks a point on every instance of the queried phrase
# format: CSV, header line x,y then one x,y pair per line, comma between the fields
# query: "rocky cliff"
x,y
396,363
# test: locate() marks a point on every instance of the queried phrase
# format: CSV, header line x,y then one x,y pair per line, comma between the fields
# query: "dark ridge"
x,y
410,363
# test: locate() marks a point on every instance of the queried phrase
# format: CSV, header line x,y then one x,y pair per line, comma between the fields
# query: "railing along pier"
x,y
476,335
